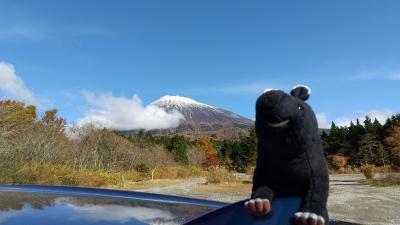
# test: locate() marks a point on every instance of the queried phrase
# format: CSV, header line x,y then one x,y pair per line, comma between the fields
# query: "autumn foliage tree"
x,y
205,145
51,121
338,161
15,119
393,141
27,139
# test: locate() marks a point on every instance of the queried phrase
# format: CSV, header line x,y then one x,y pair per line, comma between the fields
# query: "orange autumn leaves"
x,y
205,144
393,141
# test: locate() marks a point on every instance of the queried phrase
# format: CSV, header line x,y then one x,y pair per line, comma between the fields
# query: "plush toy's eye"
x,y
300,108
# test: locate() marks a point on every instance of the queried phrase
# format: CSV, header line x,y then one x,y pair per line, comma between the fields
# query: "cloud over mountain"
x,y
123,113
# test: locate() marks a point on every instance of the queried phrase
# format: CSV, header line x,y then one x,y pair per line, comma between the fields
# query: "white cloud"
x,y
126,113
11,84
123,214
323,121
380,115
377,74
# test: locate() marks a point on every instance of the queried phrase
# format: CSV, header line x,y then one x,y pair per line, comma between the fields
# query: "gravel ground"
x,y
353,202
187,189
350,203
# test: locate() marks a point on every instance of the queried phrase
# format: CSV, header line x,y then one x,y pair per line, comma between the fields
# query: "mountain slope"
x,y
200,117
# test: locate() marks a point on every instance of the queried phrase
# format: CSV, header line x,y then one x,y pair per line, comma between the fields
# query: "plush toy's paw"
x,y
258,206
306,218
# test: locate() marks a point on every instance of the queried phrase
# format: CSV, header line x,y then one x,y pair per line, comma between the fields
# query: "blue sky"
x,y
74,55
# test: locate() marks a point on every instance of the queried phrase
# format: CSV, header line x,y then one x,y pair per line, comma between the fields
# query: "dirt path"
x,y
188,189
350,203
181,189
353,202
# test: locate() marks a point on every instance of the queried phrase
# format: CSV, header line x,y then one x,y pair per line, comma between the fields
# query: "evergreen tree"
x,y
377,129
369,150
381,156
179,145
353,134
240,153
325,141
336,143
368,126
248,147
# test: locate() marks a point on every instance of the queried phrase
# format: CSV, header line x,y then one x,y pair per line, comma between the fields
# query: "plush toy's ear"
x,y
301,91
270,89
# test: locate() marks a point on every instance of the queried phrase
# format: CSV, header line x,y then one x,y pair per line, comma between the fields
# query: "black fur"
x,y
290,159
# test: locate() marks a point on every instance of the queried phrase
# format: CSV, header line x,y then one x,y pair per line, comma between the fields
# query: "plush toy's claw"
x,y
298,215
321,220
306,218
313,216
258,206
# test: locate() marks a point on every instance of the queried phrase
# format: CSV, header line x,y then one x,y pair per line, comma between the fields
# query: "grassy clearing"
x,y
54,174
388,180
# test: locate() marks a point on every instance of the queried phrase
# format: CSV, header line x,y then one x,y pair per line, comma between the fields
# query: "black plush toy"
x,y
290,158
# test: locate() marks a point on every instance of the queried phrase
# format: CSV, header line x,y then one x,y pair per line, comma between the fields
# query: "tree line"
x,y
367,142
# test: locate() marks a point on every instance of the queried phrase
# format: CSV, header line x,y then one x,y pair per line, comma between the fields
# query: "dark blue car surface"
x,y
51,205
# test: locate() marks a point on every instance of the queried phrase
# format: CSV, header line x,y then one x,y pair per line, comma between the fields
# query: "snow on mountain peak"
x,y
180,101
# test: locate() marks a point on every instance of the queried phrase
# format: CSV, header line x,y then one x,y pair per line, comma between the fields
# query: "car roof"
x,y
35,204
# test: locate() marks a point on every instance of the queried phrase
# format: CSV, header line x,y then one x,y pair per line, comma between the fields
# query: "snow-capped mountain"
x,y
179,103
200,117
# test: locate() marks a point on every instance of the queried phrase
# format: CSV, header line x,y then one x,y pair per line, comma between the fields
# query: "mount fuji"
x,y
201,119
